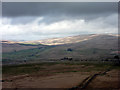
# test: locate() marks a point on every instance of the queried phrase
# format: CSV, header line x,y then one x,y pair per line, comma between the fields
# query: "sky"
x,y
42,20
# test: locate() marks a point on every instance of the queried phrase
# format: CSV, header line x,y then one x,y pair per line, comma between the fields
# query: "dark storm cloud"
x,y
56,11
17,9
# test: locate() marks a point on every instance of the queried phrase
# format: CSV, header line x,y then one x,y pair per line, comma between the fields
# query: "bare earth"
x,y
51,78
63,80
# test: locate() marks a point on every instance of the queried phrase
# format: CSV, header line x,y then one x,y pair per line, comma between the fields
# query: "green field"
x,y
56,67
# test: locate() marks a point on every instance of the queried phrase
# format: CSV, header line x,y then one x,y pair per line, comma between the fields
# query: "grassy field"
x,y
56,67
59,75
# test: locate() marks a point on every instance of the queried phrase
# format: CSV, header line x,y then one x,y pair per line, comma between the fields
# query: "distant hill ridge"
x,y
59,41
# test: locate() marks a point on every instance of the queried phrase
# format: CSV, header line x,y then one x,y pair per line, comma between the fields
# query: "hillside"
x,y
65,40
99,46
9,46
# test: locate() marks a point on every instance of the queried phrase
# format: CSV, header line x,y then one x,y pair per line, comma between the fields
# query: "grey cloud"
x,y
15,9
56,11
98,18
22,20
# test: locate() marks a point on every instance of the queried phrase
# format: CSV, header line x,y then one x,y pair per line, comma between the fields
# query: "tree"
x,y
116,57
69,49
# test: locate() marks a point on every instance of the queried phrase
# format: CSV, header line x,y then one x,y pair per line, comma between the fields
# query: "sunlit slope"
x,y
97,47
65,40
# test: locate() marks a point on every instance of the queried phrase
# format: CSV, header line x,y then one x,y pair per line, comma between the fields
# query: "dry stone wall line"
x,y
88,80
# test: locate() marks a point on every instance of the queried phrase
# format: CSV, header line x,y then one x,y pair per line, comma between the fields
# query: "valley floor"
x,y
62,75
